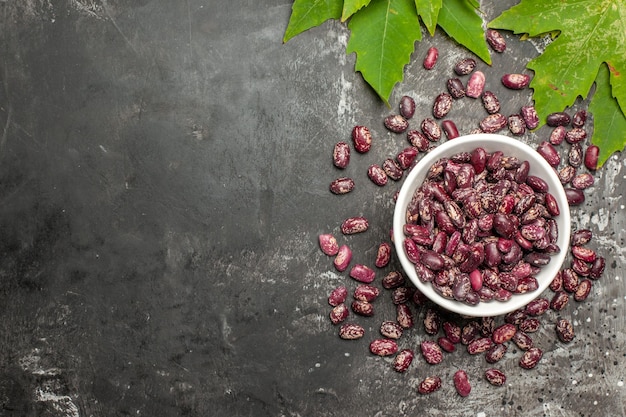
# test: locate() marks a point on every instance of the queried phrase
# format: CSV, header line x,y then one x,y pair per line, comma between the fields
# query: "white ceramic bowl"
x,y
538,167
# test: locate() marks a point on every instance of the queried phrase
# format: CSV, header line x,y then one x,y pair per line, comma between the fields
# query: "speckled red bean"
x,y
361,139
479,345
557,136
392,169
406,157
339,313
362,273
442,105
351,331
493,123
446,344
475,85
338,296
431,129
383,255
582,181
455,88
393,279
461,383
403,360
465,66
470,332
538,306
591,157
530,325
566,174
581,237
354,225
450,129
341,185
391,329
558,119
564,330
522,340
597,268
549,153
495,377
404,316
504,333
402,295
343,258
341,155
537,183
431,58
396,123
431,352
328,244
407,106
517,126
552,205
383,347
575,155
579,118
377,174
362,308
365,292
530,116
429,385
583,290
575,197
418,140
490,102
531,358
432,321
559,301
496,353
515,81
576,135
495,40
452,331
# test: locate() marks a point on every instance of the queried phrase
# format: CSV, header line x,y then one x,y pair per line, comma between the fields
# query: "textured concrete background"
x,y
164,171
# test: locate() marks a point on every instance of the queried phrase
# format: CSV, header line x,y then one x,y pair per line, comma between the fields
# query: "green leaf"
x,y
460,20
350,7
428,11
383,36
306,14
609,132
591,32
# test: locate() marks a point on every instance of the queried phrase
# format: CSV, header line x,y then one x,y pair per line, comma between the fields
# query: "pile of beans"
x,y
444,332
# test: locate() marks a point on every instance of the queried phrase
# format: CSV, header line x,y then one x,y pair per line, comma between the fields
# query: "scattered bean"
x,y
475,84
383,347
351,331
341,185
515,81
431,58
403,360
341,155
407,107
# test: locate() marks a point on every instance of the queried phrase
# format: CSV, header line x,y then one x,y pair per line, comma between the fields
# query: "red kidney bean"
x,y
565,330
362,273
366,292
575,155
591,157
403,360
566,174
452,331
465,66
579,119
407,107
391,329
582,181
583,290
531,358
339,313
432,321
597,268
404,316
351,331
515,81
495,377
431,58
393,279
461,383
490,102
557,136
583,253
341,185
522,340
445,344
377,175
479,345
475,84
450,129
549,153
392,169
517,126
559,301
362,139
574,196
383,255
341,155
343,258
538,306
576,135
431,352
503,333
581,237
396,123
354,225
402,295
495,353
338,296
529,114
570,280
442,105
530,325
455,88
558,119
418,140
383,347
362,308
429,385
431,130
493,123
406,157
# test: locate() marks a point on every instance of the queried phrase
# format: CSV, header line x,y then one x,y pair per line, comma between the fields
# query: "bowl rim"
x,y
490,142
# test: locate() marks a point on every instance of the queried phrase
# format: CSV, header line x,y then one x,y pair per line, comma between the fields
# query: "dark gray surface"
x,y
163,178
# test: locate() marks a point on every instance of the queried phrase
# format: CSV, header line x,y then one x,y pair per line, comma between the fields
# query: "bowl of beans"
x,y
482,225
